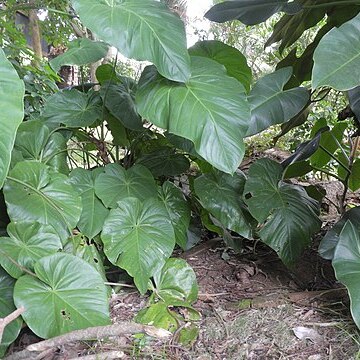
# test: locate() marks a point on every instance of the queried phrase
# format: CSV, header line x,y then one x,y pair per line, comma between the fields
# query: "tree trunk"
x,y
35,35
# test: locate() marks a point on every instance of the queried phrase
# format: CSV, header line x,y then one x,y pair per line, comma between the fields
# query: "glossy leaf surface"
x,y
80,51
140,29
221,194
138,237
176,283
116,183
72,108
346,263
119,98
12,91
331,238
27,243
34,192
289,216
271,105
93,212
178,211
215,121
69,294
233,60
337,57
250,12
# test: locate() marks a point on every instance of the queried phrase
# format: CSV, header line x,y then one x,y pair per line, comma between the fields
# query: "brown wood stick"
x,y
8,319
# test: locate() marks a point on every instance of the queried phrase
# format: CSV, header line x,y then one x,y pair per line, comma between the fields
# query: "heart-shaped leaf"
x,y
288,214
221,194
346,263
27,243
35,142
12,91
138,237
233,60
215,121
176,283
72,108
271,105
80,52
331,238
337,57
69,294
93,212
7,307
35,192
149,31
116,183
250,12
178,211
119,98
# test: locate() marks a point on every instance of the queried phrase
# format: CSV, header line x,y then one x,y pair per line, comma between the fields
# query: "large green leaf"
x,y
93,212
140,29
72,108
271,105
12,91
337,57
250,12
288,214
116,183
221,194
210,110
35,142
233,60
138,237
7,307
69,294
119,98
178,211
331,238
35,192
176,283
27,243
80,52
346,263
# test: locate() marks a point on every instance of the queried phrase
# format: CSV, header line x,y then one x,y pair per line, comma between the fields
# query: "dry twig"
x,y
8,319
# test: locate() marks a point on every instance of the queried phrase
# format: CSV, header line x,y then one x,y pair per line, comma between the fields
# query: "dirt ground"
x,y
252,307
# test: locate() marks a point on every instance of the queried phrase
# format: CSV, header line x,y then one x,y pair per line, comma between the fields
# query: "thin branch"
x,y
108,355
93,333
8,319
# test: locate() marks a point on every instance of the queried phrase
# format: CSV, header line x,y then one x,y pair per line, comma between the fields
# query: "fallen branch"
x,y
8,319
93,333
109,355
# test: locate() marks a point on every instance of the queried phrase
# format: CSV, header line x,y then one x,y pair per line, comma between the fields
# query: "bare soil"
x,y
252,307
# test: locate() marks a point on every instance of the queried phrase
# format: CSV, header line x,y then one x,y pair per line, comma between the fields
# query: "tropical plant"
x,y
89,178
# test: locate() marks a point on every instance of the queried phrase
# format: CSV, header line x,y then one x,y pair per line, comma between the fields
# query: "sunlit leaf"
x,y
140,29
210,110
12,91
